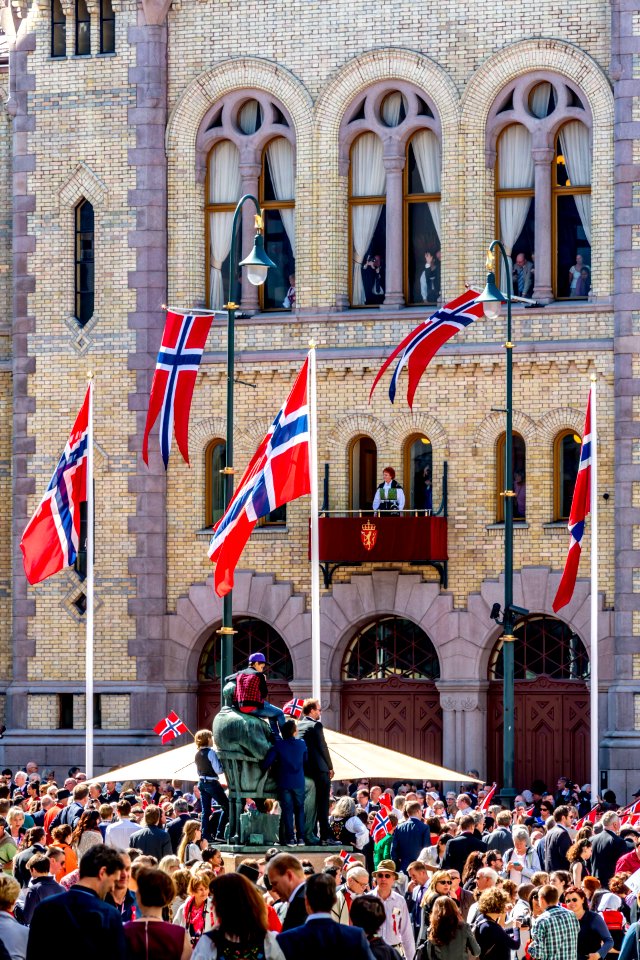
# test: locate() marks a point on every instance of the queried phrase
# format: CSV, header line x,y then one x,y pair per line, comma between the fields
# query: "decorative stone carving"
x,y
155,11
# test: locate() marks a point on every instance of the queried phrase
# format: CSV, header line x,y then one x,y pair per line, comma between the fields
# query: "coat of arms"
x,y
369,535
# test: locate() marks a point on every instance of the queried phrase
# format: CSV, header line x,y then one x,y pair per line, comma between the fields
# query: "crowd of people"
x,y
125,870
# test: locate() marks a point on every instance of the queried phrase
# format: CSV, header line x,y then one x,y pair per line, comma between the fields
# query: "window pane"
x,y
224,269
58,30
420,475
364,465
83,29
84,262
517,219
278,247
107,27
574,250
569,451
392,647
276,518
218,461
519,477
369,228
423,253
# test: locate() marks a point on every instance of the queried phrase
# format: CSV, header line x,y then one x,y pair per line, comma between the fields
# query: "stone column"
x,y
250,173
542,159
464,735
394,296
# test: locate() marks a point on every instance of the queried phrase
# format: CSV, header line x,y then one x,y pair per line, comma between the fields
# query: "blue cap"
x,y
257,658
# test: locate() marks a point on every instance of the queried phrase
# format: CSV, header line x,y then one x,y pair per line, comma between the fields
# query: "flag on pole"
x,y
420,346
170,728
590,817
347,859
630,820
487,800
380,827
50,540
580,506
278,473
293,708
181,349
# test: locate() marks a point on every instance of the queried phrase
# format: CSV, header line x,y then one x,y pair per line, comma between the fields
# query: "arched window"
x,y
107,27
539,135
390,147
58,30
519,481
251,635
363,472
83,29
84,261
250,149
543,646
391,647
566,460
422,219
215,460
418,472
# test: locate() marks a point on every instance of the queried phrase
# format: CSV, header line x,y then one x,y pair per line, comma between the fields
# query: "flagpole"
x,y
595,744
315,540
89,613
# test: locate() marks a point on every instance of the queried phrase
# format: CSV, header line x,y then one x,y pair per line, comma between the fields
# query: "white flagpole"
x,y
595,742
89,613
315,540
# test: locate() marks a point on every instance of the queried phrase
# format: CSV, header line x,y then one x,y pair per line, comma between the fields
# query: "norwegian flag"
x,y
630,820
347,859
420,346
183,342
631,808
170,728
293,708
580,507
487,800
590,817
385,801
380,827
278,473
50,540
531,811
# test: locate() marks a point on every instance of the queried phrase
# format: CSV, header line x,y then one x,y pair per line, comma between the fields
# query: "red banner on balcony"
x,y
383,539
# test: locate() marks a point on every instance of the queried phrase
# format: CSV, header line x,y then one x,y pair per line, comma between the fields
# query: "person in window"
x,y
522,276
373,279
520,490
289,302
428,488
584,283
574,274
430,278
389,496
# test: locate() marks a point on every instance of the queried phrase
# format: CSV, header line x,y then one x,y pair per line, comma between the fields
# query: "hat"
x,y
433,795
257,658
386,866
63,794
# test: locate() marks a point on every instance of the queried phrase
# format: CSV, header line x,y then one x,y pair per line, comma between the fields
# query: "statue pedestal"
x,y
234,855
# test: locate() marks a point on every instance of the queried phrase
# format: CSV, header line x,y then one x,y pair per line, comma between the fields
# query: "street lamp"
x,y
492,299
257,264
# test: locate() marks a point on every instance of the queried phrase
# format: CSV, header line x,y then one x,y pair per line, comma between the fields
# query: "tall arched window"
x,y
418,472
539,137
251,635
543,646
84,261
518,482
363,471
566,460
390,148
251,149
391,647
107,27
422,219
83,29
215,460
58,30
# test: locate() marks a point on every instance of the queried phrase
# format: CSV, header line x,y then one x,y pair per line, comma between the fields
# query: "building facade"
x,y
388,149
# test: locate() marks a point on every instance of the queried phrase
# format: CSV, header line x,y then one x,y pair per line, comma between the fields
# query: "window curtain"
x,y
516,172
390,110
368,179
426,150
225,186
282,170
248,116
540,100
575,143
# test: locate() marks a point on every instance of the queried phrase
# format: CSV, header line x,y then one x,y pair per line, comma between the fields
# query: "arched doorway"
x,y
389,696
252,636
363,467
551,704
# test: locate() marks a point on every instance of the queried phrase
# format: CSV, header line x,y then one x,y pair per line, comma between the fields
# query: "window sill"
x,y
111,53
517,525
555,525
270,531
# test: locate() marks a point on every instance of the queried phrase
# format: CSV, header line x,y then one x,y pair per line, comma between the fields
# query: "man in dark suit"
x,y
152,839
319,765
409,837
176,827
80,917
287,880
607,848
557,842
459,848
500,838
320,936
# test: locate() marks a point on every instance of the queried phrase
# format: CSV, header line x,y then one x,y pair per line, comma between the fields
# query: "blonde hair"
x,y
9,892
203,738
191,827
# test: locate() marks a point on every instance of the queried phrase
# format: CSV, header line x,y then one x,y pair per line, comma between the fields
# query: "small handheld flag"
x,y
580,506
590,817
347,859
487,800
170,728
293,708
380,827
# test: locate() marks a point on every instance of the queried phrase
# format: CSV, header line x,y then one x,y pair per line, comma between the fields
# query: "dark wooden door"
x,y
551,731
403,715
209,699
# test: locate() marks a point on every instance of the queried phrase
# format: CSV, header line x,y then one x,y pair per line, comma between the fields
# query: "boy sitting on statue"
x,y
251,693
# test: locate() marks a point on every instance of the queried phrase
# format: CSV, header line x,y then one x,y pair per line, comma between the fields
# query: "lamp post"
x,y
492,299
257,264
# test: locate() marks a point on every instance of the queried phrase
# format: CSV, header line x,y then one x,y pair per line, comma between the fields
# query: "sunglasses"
x,y
386,876
446,882
573,900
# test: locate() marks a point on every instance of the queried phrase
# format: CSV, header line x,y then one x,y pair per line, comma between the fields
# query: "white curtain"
x,y
368,179
540,99
516,172
390,110
426,150
225,186
248,116
575,143
282,170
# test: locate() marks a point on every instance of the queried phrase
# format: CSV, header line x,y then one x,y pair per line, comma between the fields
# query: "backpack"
x,y
614,919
